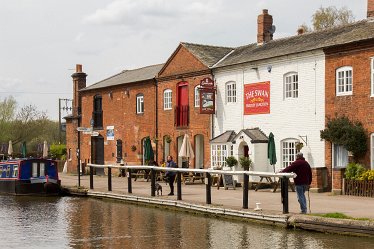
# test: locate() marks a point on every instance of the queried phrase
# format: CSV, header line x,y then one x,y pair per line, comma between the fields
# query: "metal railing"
x,y
208,182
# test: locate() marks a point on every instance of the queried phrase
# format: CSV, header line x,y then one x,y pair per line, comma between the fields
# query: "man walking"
x,y
303,179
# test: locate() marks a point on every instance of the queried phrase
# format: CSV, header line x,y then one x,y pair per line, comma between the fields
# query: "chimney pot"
x,y
265,11
300,31
370,9
78,68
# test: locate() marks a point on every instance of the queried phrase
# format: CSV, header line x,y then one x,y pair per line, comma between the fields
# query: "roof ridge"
x,y
205,45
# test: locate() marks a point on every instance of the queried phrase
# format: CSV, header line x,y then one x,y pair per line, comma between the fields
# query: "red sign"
x,y
207,82
257,98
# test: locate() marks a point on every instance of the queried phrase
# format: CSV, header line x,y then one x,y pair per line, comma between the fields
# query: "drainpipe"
x,y
156,117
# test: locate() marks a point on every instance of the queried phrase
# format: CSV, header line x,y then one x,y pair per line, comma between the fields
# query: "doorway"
x,y
97,152
199,151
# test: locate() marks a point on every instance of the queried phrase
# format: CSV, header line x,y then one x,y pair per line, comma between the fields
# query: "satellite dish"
x,y
272,29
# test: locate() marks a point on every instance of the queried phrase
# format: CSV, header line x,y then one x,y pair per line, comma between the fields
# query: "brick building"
x,y
179,101
349,83
121,109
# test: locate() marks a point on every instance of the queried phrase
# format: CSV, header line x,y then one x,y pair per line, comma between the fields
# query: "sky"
x,y
41,41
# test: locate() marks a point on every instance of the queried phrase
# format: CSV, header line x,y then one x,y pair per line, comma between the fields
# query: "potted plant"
x,y
231,161
133,148
299,146
245,162
168,139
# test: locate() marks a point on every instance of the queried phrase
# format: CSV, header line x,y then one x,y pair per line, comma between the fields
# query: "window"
x,y
340,156
34,170
291,86
219,154
288,152
372,76
167,99
8,171
344,81
1,171
15,170
97,114
197,96
139,103
231,92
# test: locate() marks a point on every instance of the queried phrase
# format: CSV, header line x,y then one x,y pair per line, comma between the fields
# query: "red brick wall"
x,y
359,106
120,111
183,63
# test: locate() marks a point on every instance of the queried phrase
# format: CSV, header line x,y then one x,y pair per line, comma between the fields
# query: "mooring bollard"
x,y
179,186
153,182
91,177
208,189
129,186
109,179
284,194
245,191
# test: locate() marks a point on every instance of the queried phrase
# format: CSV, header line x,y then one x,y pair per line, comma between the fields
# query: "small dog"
x,y
158,188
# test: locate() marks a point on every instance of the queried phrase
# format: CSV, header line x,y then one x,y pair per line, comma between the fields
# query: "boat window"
x,y
15,171
42,168
7,171
1,171
34,169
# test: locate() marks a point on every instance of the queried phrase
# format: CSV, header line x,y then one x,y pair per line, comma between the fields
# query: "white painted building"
x,y
284,84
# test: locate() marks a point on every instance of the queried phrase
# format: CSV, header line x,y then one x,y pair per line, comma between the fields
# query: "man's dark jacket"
x,y
303,171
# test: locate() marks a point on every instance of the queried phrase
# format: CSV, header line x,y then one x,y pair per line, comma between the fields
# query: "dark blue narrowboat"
x,y
32,176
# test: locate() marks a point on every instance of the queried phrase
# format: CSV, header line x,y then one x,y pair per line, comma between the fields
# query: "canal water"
x,y
67,222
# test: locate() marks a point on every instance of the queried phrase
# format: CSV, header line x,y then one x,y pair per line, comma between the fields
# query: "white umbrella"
x,y
10,148
186,148
45,149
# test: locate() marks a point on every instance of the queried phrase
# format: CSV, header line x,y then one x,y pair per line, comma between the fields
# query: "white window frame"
x,y
168,93
344,81
197,96
288,151
231,92
372,76
291,85
139,103
218,154
15,170
342,161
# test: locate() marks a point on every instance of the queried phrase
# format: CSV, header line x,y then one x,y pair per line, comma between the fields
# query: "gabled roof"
x,y
208,55
255,134
358,31
128,76
225,137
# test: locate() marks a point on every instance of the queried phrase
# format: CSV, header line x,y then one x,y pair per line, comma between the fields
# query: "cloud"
x,y
9,84
147,13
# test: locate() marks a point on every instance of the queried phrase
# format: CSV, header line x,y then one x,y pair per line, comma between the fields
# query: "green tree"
x,y
330,17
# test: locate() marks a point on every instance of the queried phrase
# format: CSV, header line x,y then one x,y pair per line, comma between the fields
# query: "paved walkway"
x,y
359,207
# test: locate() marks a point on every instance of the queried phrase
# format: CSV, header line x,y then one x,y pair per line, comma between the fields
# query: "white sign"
x,y
83,129
94,134
110,132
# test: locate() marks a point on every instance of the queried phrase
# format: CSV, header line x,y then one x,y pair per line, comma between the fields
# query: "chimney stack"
x,y
79,82
370,10
264,27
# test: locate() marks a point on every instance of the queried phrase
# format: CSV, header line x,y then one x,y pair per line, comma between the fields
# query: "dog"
x,y
158,188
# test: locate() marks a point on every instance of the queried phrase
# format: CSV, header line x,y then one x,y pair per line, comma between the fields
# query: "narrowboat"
x,y
31,176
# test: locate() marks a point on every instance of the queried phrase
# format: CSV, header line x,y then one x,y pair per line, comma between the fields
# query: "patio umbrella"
x,y
148,151
272,156
186,148
23,149
45,149
10,148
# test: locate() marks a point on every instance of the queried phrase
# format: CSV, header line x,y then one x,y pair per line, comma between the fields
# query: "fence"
x,y
363,188
208,180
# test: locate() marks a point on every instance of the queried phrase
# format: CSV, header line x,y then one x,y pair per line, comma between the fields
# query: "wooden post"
x,y
91,177
284,194
153,182
208,189
179,186
245,191
129,186
109,179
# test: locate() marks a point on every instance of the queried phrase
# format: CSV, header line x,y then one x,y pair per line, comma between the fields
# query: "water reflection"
x,y
91,223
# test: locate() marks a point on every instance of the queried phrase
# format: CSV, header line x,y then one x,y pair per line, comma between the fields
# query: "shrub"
x,y
245,162
57,151
231,161
367,175
354,171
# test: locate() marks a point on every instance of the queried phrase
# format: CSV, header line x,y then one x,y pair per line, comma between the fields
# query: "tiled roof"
x,y
358,31
208,55
255,134
225,137
127,76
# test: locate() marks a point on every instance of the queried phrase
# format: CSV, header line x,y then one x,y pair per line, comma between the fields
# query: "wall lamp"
x,y
127,92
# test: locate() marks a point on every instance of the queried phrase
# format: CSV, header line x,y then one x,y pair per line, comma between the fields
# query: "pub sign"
x,y
257,98
207,100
